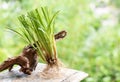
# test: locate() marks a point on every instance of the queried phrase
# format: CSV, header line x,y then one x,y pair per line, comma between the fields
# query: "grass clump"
x,y
38,30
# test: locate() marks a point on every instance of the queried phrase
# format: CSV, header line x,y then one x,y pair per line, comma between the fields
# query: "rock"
x,y
69,75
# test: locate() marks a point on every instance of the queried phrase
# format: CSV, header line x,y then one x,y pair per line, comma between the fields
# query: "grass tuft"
x,y
38,28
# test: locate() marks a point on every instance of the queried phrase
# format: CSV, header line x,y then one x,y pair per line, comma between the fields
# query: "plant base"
x,y
51,72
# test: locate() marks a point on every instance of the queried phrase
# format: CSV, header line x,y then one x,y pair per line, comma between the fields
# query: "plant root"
x,y
27,61
52,70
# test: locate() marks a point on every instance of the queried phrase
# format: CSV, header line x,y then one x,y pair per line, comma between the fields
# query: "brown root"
x,y
60,35
20,60
27,61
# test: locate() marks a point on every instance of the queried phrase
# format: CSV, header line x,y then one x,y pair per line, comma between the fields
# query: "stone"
x,y
69,75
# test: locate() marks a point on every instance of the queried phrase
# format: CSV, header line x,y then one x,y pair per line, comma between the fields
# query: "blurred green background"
x,y
93,41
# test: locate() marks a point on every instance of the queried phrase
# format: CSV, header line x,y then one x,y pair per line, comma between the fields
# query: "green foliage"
x,y
38,29
90,45
116,3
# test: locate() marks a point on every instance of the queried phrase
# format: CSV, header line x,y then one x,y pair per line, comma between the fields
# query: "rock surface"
x,y
69,75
